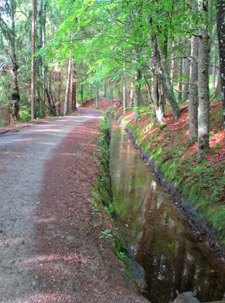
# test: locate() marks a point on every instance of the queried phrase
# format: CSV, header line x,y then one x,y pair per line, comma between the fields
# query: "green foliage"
x,y
107,34
143,111
25,113
102,193
105,234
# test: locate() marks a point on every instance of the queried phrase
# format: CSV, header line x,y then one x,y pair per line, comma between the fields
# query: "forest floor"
x,y
50,250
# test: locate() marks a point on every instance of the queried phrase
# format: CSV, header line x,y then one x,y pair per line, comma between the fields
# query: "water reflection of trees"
x,y
170,259
165,248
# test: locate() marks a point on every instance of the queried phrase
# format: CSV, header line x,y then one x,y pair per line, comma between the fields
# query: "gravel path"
x,y
42,259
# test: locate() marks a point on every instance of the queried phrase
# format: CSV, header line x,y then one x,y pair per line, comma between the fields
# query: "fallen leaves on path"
x,y
72,263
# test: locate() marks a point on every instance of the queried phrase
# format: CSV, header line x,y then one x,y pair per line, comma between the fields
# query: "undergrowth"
x,y
102,193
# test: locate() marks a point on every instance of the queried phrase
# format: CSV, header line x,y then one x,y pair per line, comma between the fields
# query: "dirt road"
x,y
48,249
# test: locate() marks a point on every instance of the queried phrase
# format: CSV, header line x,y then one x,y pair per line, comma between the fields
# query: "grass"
x,y
102,207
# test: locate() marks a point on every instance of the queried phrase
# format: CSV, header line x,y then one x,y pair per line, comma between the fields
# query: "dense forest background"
x,y
158,54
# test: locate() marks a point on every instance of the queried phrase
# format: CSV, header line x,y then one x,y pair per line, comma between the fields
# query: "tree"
x,y
7,25
124,91
73,88
203,82
193,96
67,92
221,39
33,113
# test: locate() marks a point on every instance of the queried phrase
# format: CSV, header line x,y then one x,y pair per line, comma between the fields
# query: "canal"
x,y
159,238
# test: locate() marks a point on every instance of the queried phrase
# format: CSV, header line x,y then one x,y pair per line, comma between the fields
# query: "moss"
x,y
103,191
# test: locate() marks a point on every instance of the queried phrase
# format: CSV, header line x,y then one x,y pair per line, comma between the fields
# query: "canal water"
x,y
158,237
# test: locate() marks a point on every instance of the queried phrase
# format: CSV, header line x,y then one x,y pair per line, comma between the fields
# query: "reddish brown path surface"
x,y
49,249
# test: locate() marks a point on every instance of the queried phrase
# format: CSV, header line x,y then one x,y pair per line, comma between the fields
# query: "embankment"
x,y
195,185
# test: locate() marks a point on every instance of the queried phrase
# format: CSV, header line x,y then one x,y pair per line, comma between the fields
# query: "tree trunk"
x,y
66,103
39,66
59,93
33,111
119,93
217,94
193,97
43,38
170,96
124,94
172,67
105,88
186,73
15,94
74,89
82,94
221,38
203,87
96,94
180,85
111,95
149,89
39,61
131,94
137,94
158,107
159,72
51,104
214,72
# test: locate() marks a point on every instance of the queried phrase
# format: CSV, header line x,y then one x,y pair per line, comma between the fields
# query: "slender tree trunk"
x,y
66,103
43,38
172,67
137,87
15,94
217,94
221,38
131,94
149,89
39,66
159,72
33,111
120,96
180,85
214,72
96,94
74,89
105,88
170,97
157,100
137,94
186,73
124,97
59,93
82,94
193,97
156,93
39,61
51,104
111,95
124,93
203,86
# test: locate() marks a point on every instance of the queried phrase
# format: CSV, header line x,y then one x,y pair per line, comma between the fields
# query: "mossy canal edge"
x,y
103,194
200,227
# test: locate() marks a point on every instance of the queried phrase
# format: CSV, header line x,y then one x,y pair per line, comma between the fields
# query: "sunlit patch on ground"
x,y
219,137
